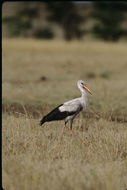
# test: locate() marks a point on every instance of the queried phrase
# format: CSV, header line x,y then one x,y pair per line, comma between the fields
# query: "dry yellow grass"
x,y
45,73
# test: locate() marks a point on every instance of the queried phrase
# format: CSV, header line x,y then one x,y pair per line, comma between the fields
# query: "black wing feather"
x,y
56,114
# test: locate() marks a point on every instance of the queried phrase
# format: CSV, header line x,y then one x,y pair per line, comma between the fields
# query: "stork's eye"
x,y
82,83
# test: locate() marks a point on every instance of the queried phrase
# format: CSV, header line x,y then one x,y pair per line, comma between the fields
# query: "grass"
x,y
38,75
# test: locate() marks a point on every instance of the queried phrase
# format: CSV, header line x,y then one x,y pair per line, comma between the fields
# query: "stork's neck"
x,y
84,99
84,95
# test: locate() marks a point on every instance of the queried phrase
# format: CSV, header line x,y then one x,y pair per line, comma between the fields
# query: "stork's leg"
x,y
61,135
72,133
71,128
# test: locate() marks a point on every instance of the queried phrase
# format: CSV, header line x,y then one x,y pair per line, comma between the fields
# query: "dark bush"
x,y
91,75
66,15
109,18
44,33
105,74
15,24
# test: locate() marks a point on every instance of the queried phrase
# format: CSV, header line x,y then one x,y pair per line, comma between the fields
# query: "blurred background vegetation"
x,y
65,20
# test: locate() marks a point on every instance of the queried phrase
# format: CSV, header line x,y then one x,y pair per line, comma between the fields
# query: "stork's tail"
x,y
43,120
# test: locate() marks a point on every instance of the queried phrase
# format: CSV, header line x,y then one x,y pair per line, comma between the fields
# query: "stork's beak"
x,y
87,89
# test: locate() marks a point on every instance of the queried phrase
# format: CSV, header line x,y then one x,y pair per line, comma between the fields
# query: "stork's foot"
x,y
72,133
84,142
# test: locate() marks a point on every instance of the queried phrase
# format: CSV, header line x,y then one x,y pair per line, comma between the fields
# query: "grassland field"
x,y
38,75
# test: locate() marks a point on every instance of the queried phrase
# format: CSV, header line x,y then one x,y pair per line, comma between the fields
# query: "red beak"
x,y
87,89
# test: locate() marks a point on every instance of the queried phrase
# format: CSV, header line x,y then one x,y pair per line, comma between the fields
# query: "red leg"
x,y
61,135
72,133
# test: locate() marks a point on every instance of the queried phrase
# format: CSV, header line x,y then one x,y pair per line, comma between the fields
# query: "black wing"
x,y
56,114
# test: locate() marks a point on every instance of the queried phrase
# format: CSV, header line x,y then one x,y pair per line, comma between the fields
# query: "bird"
x,y
70,109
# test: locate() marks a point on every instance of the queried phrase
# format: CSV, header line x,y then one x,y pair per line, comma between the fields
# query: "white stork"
x,y
70,109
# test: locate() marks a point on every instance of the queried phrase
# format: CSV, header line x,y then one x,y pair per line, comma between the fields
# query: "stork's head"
x,y
82,86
